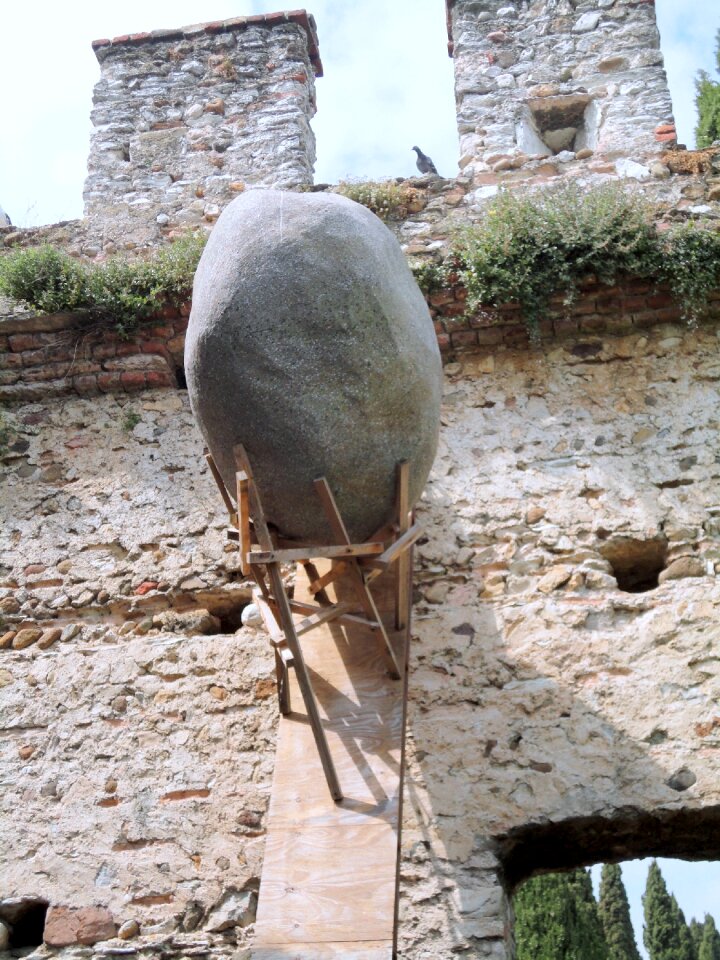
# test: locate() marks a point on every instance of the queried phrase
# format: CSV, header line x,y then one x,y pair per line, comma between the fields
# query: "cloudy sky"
x,y
387,85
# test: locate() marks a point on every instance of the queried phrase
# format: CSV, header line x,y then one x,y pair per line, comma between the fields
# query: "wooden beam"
x,y
242,484
396,550
334,573
298,554
355,574
403,581
328,613
308,695
229,506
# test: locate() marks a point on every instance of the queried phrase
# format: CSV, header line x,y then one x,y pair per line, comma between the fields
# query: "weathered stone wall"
x,y
544,697
184,119
553,77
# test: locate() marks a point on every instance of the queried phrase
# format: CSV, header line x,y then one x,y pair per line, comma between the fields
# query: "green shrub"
x,y
387,199
429,275
529,248
44,278
119,291
691,266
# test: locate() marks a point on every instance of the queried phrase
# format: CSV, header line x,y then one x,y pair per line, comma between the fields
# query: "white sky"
x,y
387,85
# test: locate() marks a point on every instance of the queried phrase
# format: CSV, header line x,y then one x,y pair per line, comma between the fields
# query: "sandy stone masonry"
x,y
553,77
185,119
556,716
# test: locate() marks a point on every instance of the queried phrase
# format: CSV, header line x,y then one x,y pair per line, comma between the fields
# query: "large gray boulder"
x,y
310,343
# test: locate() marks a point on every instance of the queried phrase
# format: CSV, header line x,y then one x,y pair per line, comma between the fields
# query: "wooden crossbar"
x,y
298,554
356,578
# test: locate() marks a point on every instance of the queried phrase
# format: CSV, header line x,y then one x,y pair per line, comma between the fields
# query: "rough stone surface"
x,y
187,119
310,343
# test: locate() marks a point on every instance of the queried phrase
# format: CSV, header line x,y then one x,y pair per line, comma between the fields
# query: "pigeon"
x,y
424,163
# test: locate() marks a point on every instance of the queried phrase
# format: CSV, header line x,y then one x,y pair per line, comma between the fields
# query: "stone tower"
x,y
543,77
184,119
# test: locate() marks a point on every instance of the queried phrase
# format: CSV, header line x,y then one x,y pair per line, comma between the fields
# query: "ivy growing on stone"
x,y
529,248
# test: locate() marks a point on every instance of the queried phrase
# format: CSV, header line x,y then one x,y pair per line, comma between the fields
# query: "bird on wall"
x,y
424,163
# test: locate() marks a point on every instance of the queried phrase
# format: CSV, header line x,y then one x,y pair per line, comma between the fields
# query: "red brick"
x,y
444,341
145,587
162,331
515,335
439,326
489,336
104,351
127,349
23,341
665,137
66,926
660,300
564,327
85,385
156,378
629,304
185,309
595,324
133,380
10,360
464,338
109,382
611,305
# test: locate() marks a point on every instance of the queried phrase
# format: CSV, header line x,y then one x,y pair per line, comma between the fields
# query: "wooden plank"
x,y
298,554
329,881
395,551
365,950
341,886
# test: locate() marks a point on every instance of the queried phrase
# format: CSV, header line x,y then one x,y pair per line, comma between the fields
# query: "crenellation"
x,y
186,119
551,77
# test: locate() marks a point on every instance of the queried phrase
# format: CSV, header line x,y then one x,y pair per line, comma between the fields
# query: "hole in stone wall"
x,y
636,564
554,124
24,918
180,377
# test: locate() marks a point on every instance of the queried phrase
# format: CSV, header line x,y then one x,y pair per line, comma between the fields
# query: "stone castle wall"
x,y
184,119
554,77
559,713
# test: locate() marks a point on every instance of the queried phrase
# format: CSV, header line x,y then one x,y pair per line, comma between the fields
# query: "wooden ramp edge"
x,y
329,884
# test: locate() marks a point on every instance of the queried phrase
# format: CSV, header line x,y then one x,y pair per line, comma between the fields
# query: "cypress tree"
x,y
710,943
696,932
687,946
556,919
707,101
661,934
614,912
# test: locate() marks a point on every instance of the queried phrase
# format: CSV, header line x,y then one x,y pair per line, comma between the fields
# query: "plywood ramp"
x,y
330,873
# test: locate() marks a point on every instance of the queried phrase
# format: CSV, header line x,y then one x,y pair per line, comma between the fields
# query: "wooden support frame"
x,y
355,563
